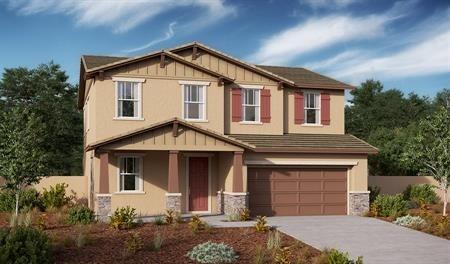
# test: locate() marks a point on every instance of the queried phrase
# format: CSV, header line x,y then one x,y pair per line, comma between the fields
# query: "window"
x,y
312,108
194,102
250,105
130,177
128,99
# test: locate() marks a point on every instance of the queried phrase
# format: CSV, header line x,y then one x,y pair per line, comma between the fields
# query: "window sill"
x,y
197,120
312,125
130,193
129,118
250,123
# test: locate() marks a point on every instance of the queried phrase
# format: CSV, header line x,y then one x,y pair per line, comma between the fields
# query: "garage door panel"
x,y
285,185
334,197
283,198
334,185
311,174
297,191
310,185
310,197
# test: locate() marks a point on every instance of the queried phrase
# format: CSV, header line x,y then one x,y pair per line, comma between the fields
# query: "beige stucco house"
x,y
195,130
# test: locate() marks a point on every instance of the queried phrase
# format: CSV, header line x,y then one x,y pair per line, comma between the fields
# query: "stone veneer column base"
x,y
103,207
358,202
233,202
220,205
173,202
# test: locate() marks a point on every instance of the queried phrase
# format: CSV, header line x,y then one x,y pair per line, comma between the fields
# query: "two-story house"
x,y
198,131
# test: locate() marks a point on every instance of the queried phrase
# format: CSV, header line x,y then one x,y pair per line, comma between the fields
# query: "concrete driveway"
x,y
377,241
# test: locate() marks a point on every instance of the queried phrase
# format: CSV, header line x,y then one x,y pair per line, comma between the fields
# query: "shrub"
x,y
233,218
421,194
80,215
210,252
134,243
123,218
56,196
260,256
158,241
244,214
282,256
389,205
159,220
24,244
415,222
28,199
196,224
333,256
442,226
274,240
171,217
374,192
261,224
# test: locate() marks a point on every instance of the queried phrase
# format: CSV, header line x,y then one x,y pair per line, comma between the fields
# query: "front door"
x,y
198,184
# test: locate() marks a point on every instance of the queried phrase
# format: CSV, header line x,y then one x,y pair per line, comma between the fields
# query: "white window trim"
x,y
251,86
116,96
258,121
141,173
319,108
205,101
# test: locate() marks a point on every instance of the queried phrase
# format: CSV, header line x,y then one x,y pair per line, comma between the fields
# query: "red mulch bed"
x,y
433,213
104,244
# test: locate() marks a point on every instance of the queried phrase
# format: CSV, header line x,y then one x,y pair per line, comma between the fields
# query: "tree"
x,y
45,91
23,157
431,149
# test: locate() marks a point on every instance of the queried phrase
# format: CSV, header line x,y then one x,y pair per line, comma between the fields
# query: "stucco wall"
x,y
397,184
77,184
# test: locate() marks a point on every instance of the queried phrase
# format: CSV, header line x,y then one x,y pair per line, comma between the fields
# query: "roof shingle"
x,y
311,143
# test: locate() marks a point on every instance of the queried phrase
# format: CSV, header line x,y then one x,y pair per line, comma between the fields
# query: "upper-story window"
x,y
194,102
251,105
130,174
312,108
128,98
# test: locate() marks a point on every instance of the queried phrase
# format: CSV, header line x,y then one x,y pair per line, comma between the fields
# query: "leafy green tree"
x,y
431,149
23,157
45,91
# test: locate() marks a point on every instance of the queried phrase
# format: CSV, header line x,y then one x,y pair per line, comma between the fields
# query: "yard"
x,y
100,243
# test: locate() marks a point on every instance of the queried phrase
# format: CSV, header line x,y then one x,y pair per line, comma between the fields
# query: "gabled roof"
x,y
93,61
307,143
171,121
305,78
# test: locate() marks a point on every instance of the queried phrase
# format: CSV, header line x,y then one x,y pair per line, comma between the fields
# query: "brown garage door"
x,y
297,191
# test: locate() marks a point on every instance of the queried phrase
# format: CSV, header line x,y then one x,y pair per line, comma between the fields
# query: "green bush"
x,y
123,218
337,257
56,196
28,199
421,194
80,215
374,192
415,222
389,205
210,252
24,244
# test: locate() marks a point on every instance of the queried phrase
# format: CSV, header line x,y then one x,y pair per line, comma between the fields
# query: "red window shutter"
x,y
265,105
325,108
236,105
299,108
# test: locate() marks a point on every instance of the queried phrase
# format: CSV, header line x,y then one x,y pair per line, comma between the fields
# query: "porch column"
x,y
173,196
238,181
103,196
237,199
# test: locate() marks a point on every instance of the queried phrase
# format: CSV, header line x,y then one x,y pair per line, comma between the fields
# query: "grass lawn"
x,y
99,243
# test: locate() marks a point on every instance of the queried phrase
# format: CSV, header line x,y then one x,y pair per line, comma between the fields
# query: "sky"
x,y
404,44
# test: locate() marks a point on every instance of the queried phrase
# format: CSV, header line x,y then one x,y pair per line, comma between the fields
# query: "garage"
x,y
284,191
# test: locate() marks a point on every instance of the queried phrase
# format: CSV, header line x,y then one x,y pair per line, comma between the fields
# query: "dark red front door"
x,y
198,184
